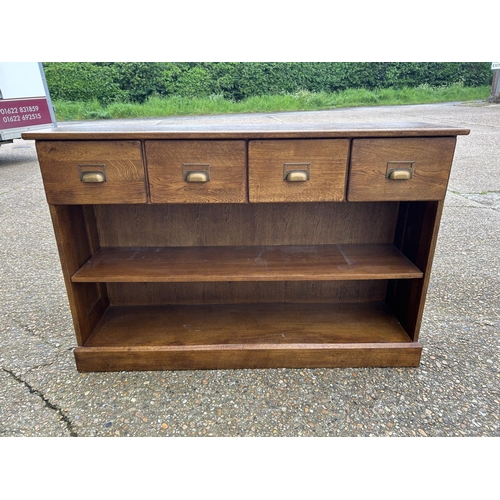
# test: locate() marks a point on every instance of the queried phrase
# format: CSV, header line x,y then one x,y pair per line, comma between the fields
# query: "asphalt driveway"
x,y
455,391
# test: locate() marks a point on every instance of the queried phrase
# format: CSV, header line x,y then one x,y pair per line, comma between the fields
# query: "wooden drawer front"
x,y
171,162
324,162
428,161
65,163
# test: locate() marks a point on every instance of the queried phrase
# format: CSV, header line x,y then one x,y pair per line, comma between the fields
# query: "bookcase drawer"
x,y
297,170
197,171
406,169
92,172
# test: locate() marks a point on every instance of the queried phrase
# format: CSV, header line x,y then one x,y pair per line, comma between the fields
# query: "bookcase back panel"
x,y
246,224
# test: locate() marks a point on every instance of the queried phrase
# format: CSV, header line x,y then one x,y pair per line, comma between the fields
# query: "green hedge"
x,y
82,82
137,81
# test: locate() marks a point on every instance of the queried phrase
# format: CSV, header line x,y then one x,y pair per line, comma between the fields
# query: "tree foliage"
x,y
137,81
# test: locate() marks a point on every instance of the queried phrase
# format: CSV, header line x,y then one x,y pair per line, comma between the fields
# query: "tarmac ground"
x,y
455,391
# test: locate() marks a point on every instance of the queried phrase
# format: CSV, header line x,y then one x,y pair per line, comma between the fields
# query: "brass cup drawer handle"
x,y
296,176
197,177
400,174
92,173
296,172
400,170
93,177
196,172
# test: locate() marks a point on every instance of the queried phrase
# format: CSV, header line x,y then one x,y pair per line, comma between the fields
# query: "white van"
x,y
24,100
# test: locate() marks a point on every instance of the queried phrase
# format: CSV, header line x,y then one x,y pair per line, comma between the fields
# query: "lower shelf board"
x,y
247,336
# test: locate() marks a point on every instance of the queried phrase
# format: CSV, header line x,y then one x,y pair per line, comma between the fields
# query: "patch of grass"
x,y
299,101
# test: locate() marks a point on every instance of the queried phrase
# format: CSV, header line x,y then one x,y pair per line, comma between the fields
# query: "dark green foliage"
x,y
82,82
194,81
399,75
137,81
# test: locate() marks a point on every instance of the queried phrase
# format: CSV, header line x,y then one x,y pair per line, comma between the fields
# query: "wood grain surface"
x,y
327,161
216,224
247,324
431,158
270,130
246,263
237,357
247,336
226,161
246,292
61,163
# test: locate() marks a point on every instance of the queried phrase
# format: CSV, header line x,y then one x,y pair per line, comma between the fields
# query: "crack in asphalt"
x,y
33,332
475,197
47,403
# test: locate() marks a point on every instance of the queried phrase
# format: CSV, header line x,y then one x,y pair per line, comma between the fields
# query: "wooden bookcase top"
x,y
195,130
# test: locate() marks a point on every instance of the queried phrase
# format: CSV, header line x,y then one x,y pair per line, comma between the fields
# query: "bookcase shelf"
x,y
246,263
219,336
